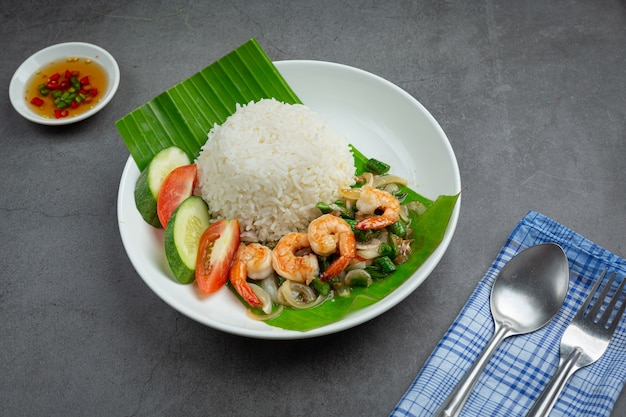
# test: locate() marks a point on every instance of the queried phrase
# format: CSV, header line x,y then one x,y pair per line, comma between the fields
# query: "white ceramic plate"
x,y
53,53
383,122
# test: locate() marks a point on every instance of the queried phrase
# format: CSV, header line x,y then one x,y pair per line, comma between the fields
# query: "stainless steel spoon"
x,y
527,293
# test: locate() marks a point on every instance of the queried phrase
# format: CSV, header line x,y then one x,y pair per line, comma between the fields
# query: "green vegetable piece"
x,y
385,264
361,235
388,250
323,288
376,273
43,90
376,166
358,278
182,237
150,180
243,75
347,213
398,228
324,208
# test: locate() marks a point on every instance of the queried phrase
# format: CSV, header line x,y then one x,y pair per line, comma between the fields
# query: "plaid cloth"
x,y
522,365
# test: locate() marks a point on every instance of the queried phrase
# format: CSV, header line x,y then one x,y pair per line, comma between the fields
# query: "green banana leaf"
x,y
182,116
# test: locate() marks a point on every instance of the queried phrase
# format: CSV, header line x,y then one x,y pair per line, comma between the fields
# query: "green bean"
x,y
398,228
376,166
375,272
390,251
324,208
321,287
385,264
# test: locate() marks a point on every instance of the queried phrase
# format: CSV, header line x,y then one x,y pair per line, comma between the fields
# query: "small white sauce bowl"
x,y
17,88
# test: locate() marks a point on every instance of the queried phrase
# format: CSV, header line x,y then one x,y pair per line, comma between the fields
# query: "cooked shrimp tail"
x,y
373,199
247,257
336,267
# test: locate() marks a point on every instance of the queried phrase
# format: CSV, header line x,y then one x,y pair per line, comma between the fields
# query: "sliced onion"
x,y
368,250
404,213
368,254
368,177
392,188
358,277
270,286
370,244
342,291
416,207
263,296
350,193
264,317
299,296
356,265
383,180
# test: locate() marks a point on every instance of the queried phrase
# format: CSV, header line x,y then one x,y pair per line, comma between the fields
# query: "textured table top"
x,y
530,94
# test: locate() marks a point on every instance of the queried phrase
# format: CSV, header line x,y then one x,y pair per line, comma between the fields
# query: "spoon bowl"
x,y
526,295
530,289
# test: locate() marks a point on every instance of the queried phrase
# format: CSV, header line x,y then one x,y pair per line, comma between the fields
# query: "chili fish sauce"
x,y
66,88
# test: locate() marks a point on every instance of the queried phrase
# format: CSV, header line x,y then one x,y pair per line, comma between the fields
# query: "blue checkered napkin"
x,y
522,365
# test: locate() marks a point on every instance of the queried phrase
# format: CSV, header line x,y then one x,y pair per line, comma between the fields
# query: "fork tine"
x,y
582,312
600,300
620,312
606,315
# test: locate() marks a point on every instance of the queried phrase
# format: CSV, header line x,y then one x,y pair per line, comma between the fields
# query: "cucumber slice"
x,y
182,236
149,182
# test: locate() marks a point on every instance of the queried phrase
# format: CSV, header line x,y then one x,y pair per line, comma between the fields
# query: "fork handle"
x,y
551,392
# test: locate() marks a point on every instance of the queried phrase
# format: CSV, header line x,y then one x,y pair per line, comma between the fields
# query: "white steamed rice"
x,y
269,164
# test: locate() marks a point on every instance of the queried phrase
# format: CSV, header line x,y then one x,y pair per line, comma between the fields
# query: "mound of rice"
x,y
269,164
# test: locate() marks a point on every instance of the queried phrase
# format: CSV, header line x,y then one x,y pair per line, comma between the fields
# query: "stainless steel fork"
x,y
585,340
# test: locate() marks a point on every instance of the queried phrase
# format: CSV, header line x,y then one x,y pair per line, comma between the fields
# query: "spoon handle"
x,y
547,399
453,405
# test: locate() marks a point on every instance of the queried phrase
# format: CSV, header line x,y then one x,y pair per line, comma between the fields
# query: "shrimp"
x,y
294,267
258,261
329,234
254,261
372,199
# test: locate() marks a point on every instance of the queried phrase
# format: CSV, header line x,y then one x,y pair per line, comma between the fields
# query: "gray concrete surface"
x,y
530,93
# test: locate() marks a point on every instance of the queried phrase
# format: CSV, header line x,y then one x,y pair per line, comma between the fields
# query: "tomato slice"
x,y
176,188
218,245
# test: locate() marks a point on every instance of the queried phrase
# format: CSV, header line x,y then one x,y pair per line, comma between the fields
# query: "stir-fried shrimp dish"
x,y
356,240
